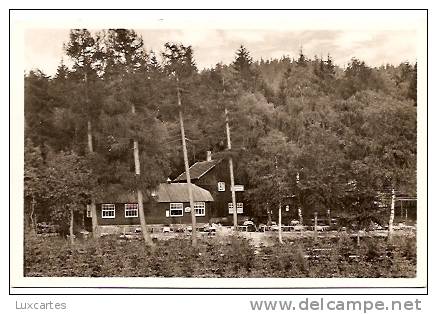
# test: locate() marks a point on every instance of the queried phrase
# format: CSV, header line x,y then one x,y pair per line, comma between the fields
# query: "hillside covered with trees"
x,y
332,138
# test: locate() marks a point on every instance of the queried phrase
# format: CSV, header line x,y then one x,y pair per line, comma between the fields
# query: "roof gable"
x,y
199,169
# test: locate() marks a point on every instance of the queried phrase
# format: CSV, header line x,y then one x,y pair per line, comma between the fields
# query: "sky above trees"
x,y
44,47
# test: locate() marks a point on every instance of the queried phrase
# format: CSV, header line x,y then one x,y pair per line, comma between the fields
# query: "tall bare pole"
x,y
32,215
280,205
146,236
299,210
392,216
187,168
71,229
91,150
280,222
231,166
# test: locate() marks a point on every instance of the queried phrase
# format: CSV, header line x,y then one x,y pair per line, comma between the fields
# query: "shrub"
x,y
231,256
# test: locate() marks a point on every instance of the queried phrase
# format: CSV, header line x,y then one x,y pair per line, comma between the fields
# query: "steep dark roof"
x,y
165,193
116,194
178,192
198,170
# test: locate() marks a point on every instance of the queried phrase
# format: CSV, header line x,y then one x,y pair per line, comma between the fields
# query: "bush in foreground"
x,y
220,257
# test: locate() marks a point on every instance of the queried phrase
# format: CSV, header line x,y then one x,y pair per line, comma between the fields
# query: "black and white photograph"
x,y
221,145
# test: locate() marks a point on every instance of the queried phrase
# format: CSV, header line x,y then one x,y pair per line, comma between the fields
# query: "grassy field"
x,y
230,256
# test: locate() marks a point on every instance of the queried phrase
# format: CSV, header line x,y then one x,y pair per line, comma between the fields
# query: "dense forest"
x,y
331,137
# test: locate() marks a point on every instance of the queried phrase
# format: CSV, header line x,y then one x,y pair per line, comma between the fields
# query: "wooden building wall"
x,y
209,181
155,213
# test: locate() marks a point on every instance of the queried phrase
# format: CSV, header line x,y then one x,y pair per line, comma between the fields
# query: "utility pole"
x,y
91,150
187,168
231,165
146,236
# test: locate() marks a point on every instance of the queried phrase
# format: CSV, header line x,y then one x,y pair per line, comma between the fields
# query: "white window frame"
x,y
199,206
221,186
240,208
131,210
108,208
230,208
180,206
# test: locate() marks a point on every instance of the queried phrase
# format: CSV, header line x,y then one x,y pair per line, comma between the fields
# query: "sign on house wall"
x,y
239,188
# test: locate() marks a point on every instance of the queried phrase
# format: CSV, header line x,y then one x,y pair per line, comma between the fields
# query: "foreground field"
x,y
229,256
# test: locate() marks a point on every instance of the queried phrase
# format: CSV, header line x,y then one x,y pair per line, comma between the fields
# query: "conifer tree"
x,y
84,51
244,69
179,64
127,107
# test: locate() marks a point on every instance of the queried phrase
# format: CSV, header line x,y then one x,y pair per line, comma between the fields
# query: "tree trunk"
x,y
280,222
187,171
147,239
231,166
32,216
71,225
280,203
299,211
93,203
91,150
90,137
95,227
315,226
234,201
392,216
146,235
231,172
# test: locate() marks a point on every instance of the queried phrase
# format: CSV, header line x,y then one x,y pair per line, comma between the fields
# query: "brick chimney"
x,y
208,156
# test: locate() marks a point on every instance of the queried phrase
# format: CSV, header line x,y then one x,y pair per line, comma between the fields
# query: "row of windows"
x,y
239,208
176,210
131,210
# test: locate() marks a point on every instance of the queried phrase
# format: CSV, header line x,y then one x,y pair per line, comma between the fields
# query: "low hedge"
x,y
220,257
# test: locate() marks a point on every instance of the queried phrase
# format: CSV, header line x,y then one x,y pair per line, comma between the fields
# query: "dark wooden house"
x,y
213,176
168,205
